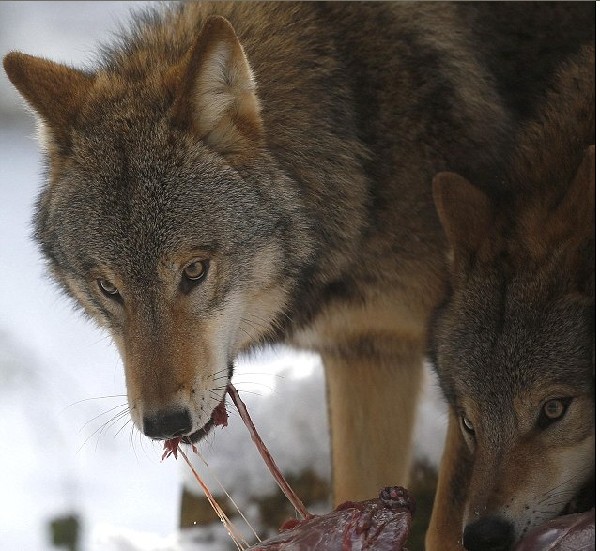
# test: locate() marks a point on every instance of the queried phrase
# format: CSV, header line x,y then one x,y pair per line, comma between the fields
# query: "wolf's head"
x,y
164,217
513,345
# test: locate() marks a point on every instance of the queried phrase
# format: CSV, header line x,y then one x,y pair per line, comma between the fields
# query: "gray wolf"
x,y
513,341
232,175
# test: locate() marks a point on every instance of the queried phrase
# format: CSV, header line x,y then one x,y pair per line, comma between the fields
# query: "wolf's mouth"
x,y
218,418
199,434
574,528
584,501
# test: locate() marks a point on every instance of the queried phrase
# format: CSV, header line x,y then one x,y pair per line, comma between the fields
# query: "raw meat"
x,y
379,524
575,532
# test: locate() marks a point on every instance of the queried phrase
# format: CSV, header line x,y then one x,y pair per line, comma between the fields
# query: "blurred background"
x,y
73,471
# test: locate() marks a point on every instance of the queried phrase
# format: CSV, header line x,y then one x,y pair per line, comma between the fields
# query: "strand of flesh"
x,y
172,447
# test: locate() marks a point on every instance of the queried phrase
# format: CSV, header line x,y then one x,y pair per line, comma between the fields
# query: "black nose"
x,y
489,534
168,424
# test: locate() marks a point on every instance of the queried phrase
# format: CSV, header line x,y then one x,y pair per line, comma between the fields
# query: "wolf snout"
x,y
489,534
168,423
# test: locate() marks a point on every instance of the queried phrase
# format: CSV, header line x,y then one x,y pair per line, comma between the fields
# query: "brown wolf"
x,y
513,341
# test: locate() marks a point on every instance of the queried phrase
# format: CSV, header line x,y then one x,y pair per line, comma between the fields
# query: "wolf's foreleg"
x,y
445,527
373,387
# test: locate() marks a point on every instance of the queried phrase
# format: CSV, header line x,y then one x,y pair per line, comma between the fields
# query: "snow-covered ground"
x,y
64,445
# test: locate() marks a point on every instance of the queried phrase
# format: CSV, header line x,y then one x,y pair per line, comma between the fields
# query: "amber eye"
x,y
108,288
468,426
196,270
553,410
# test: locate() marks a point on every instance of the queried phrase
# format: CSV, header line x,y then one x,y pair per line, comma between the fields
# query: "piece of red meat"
x,y
380,524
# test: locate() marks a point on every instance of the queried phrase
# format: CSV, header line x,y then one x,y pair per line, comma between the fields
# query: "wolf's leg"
x,y
373,388
445,527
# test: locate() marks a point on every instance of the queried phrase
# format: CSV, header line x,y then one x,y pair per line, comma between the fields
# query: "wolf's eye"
x,y
553,410
468,426
193,273
108,288
195,270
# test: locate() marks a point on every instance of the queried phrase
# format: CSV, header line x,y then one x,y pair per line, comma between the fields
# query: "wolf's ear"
x,y
216,93
55,92
465,211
